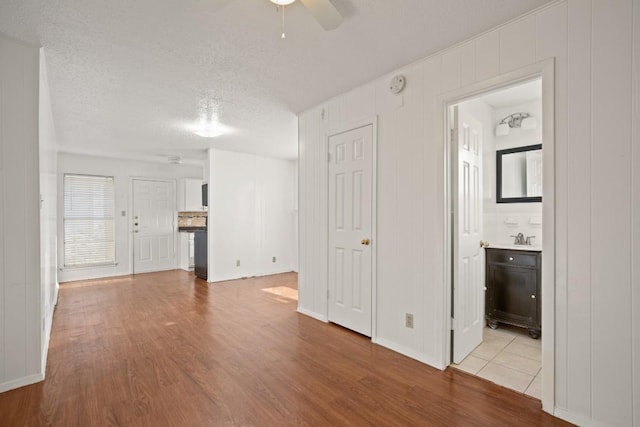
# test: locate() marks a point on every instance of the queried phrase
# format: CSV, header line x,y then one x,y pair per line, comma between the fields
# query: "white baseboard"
x,y
576,419
310,313
383,342
236,277
420,357
47,331
21,382
275,272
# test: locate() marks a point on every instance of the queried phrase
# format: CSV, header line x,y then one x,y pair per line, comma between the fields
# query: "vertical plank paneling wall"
x,y
610,209
635,212
597,202
48,158
20,297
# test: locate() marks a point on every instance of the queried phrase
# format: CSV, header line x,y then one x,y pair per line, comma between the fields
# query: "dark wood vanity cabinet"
x,y
513,289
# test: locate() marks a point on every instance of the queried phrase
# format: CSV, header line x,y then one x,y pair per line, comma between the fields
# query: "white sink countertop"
x,y
511,246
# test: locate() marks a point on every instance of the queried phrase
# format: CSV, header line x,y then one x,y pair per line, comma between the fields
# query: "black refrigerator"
x,y
200,253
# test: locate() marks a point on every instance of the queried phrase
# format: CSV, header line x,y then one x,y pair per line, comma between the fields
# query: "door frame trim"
x,y
373,121
130,221
544,70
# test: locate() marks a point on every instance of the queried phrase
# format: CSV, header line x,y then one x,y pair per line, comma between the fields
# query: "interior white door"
x,y
153,225
350,228
468,256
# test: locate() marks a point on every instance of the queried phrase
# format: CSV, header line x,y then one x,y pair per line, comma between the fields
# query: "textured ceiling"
x,y
127,77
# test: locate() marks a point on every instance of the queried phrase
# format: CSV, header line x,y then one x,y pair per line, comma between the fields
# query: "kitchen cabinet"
x,y
512,281
190,195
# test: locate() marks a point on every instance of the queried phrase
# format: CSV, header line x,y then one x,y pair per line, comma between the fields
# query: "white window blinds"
x,y
88,220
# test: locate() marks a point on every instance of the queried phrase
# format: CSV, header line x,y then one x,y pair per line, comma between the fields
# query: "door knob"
x,y
484,244
533,297
365,242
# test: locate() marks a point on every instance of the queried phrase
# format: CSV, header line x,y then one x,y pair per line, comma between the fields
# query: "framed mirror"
x,y
519,174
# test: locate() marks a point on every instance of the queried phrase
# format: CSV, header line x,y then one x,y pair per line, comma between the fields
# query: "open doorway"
x,y
497,205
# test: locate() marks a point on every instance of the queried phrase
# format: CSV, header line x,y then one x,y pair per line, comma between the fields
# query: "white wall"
x,y
527,216
122,171
635,211
20,291
48,206
597,197
296,225
251,215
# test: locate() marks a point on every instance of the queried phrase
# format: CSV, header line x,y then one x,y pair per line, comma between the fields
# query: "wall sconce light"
x,y
516,120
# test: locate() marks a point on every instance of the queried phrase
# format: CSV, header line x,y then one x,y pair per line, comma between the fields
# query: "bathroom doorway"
x,y
497,235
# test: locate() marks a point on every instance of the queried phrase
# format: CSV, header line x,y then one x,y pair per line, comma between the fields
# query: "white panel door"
x,y
350,227
468,256
153,225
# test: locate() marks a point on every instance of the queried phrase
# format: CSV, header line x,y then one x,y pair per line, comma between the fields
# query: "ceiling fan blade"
x,y
325,13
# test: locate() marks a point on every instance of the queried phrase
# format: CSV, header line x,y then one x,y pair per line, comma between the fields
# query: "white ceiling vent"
x,y
175,160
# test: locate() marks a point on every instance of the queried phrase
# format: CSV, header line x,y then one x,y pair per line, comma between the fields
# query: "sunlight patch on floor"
x,y
283,292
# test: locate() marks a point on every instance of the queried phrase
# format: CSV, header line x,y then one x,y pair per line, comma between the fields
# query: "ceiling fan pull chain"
x,y
282,7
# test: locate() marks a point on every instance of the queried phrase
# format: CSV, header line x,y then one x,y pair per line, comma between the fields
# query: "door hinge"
x,y
327,293
453,324
329,157
452,135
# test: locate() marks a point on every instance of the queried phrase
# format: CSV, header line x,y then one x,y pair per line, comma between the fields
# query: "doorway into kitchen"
x,y
497,219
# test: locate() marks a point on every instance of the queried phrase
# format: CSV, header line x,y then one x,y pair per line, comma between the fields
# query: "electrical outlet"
x,y
273,259
408,320
238,263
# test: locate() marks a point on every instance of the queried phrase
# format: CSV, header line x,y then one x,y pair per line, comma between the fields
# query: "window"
x,y
88,220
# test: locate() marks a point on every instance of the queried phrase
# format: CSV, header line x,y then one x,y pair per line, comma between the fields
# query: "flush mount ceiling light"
x,y
208,125
516,120
322,10
209,129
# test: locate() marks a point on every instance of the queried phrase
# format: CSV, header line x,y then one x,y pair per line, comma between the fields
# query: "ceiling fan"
x,y
322,10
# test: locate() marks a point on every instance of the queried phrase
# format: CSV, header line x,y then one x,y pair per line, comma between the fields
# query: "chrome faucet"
x,y
519,239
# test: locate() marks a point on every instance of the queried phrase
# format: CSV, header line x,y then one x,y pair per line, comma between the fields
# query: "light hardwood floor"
x,y
168,349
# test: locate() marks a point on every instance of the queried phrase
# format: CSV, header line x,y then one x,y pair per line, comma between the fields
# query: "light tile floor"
x,y
507,357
